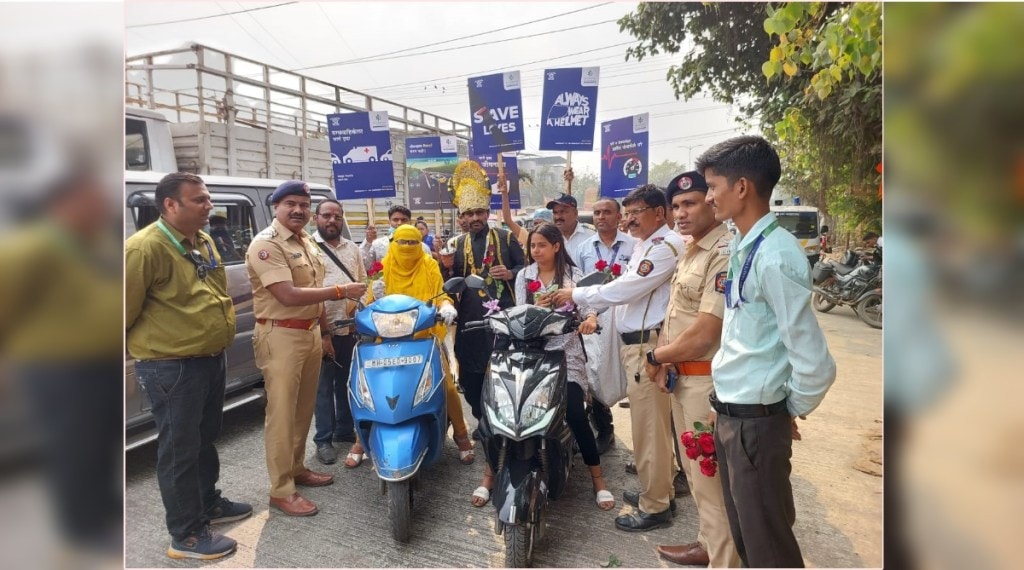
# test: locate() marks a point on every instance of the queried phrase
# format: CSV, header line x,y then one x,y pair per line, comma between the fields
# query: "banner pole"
x,y
568,180
369,214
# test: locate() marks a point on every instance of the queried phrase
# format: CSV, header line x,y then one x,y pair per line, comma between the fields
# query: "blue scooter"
x,y
397,395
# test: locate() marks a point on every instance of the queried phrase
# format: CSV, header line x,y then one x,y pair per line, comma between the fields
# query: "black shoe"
x,y
633,498
225,511
643,522
326,454
203,545
680,486
605,441
624,404
631,468
476,435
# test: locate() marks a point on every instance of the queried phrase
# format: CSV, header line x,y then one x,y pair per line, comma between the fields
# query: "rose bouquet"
x,y
700,447
612,271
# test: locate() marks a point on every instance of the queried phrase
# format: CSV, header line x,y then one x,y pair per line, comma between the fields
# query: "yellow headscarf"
x,y
408,270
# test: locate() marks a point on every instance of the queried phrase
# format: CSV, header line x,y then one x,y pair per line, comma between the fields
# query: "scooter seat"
x,y
842,269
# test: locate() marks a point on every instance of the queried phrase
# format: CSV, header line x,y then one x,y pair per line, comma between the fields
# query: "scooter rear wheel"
x,y
870,311
400,509
518,540
821,304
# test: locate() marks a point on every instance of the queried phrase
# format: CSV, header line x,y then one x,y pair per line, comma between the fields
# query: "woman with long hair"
x,y
408,270
549,264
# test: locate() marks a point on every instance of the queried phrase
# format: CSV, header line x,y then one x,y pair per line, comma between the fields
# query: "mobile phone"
x,y
671,384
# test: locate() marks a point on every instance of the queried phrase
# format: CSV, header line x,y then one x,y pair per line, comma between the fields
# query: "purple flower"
x,y
492,307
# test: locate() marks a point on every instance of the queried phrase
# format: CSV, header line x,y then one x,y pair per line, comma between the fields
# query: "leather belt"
x,y
638,337
302,324
694,368
748,410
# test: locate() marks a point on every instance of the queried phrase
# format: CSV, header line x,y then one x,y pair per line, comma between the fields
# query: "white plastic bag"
x,y
604,366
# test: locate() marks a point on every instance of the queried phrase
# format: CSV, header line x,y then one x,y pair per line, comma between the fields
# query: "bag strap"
x,y
335,259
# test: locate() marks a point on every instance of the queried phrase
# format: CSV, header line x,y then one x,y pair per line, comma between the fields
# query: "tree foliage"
x,y
808,74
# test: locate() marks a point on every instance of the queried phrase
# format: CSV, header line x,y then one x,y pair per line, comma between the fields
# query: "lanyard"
x,y
181,248
615,251
747,263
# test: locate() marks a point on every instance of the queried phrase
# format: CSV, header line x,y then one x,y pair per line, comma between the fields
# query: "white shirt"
x,y
378,249
636,308
579,236
593,250
772,347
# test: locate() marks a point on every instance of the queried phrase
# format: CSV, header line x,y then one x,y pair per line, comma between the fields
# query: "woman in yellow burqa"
x,y
408,270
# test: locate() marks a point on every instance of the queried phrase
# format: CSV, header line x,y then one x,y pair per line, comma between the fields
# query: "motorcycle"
x,y
397,395
848,283
525,438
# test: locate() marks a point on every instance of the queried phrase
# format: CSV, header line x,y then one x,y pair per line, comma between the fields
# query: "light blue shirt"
x,y
579,236
591,251
772,347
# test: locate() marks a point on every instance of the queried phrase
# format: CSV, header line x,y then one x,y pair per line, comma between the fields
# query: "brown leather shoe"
x,y
294,505
692,554
310,478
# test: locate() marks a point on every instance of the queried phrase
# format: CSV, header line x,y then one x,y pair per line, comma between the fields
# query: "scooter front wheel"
x,y
400,509
518,545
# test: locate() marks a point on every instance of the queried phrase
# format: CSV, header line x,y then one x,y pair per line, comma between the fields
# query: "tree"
x,y
807,73
663,172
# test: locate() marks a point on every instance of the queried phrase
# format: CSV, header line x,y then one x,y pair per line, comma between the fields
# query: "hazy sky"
x,y
307,34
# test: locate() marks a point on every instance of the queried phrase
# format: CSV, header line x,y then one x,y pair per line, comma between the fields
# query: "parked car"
x,y
245,205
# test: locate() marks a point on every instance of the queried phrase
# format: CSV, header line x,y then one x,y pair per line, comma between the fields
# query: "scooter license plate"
x,y
393,361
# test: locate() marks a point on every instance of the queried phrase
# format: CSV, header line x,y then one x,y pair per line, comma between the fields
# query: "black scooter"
x,y
850,283
526,440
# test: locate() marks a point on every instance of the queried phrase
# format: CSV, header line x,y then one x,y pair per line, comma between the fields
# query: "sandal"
x,y
353,460
604,499
466,456
483,493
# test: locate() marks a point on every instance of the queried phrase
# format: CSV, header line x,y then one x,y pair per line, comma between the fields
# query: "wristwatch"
x,y
650,358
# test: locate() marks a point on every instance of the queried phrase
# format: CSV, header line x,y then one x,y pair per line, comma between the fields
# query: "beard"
x,y
329,233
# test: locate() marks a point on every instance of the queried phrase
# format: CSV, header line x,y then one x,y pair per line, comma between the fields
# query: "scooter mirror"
x,y
824,229
475,282
595,278
454,286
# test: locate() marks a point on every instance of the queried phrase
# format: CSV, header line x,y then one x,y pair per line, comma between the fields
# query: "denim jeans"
x,y
333,414
188,401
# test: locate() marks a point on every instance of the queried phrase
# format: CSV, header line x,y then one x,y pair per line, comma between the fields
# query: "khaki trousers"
x,y
650,412
690,404
290,360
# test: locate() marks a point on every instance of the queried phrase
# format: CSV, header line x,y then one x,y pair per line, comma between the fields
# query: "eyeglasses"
x,y
630,213
407,242
202,268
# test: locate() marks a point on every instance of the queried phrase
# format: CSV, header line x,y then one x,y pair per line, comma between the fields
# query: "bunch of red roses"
x,y
375,272
700,445
614,269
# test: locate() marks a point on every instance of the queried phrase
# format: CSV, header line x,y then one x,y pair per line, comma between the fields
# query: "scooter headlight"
x,y
426,383
504,412
395,325
538,411
364,391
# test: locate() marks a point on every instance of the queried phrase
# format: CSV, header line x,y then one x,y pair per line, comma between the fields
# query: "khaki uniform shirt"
x,y
169,311
349,254
698,285
276,255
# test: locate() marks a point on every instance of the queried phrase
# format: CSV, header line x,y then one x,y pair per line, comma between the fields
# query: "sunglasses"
x,y
202,268
407,242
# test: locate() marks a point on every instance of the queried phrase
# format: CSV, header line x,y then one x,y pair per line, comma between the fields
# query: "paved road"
x,y
839,509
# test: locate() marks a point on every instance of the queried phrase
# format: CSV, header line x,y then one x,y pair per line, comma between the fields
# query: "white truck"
x,y
803,223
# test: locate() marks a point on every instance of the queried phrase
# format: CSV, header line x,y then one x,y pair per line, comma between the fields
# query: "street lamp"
x,y
689,152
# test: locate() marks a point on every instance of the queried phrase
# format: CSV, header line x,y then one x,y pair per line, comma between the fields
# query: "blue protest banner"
x,y
624,156
569,108
495,104
361,155
489,163
429,163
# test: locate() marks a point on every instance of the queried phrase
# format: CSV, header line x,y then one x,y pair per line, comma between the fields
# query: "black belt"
x,y
748,410
638,337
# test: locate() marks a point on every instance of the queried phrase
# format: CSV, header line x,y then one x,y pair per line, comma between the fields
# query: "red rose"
x,y
488,260
706,443
708,466
600,265
693,452
616,269
687,439
533,286
376,268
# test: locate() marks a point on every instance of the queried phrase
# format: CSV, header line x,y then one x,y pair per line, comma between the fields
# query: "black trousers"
x,y
602,416
576,417
473,351
754,462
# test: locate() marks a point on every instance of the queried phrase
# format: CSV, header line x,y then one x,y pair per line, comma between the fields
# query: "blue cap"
x,y
564,199
289,188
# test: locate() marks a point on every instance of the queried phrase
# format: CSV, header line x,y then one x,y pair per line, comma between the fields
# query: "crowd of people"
x,y
702,327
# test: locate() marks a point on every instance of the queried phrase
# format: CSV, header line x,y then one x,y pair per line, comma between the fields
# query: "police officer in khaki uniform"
x,y
640,297
691,335
286,270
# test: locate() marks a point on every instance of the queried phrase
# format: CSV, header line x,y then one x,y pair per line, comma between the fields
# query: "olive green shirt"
x,y
169,311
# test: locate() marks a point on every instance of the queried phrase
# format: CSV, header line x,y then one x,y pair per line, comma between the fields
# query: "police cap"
x,y
691,181
289,188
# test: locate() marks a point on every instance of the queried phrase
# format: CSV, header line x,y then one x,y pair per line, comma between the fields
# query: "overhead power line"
x,y
360,59
208,17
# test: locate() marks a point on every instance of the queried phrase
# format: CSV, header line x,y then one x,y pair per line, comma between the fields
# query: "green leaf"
x,y
775,55
698,426
613,562
768,69
835,73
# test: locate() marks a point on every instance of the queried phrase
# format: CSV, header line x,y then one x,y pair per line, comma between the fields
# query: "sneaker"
x,y
326,453
203,545
227,511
